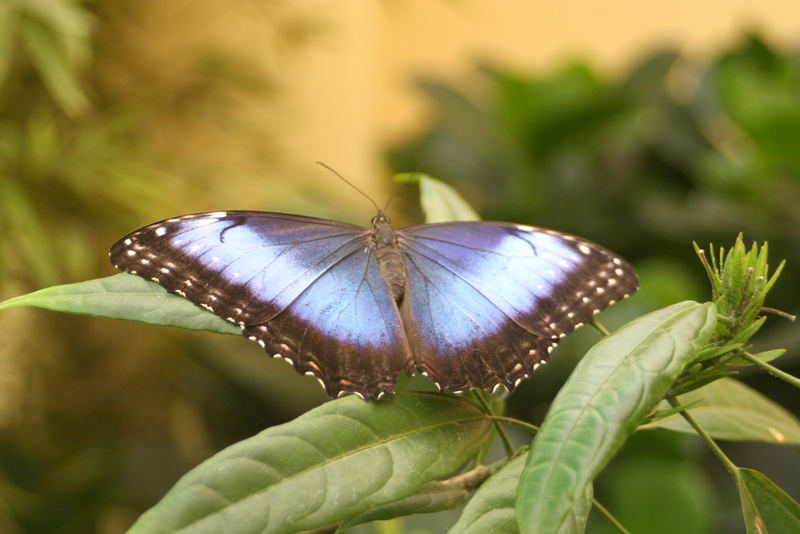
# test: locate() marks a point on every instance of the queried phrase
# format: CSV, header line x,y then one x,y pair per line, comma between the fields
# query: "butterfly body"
x,y
390,260
469,304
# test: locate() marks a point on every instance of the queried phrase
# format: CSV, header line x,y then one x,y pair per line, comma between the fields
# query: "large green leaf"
x,y
332,463
431,497
492,507
728,409
128,297
766,508
617,383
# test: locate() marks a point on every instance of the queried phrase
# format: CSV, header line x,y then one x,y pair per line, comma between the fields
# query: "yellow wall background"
x,y
348,91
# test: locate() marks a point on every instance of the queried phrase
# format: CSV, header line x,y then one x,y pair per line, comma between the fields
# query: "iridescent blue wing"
x,y
486,302
307,290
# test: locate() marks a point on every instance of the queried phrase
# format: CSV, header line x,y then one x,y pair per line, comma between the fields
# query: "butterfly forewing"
x,y
308,290
244,266
458,337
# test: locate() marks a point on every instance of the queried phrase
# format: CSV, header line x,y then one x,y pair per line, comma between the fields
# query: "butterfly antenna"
x,y
348,182
397,191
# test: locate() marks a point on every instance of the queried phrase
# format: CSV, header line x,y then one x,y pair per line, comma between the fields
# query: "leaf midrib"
x,y
330,460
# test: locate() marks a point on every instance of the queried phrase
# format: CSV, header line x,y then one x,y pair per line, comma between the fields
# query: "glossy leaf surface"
x,y
332,463
615,385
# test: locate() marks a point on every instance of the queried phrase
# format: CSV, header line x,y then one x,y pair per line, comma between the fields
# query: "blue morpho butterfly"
x,y
468,304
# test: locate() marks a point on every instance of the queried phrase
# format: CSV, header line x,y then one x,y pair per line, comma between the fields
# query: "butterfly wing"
x,y
307,290
486,301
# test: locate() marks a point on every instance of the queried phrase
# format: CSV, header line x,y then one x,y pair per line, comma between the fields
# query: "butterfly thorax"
x,y
391,262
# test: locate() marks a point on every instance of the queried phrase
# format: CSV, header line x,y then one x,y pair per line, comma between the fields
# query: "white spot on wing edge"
x,y
584,249
161,230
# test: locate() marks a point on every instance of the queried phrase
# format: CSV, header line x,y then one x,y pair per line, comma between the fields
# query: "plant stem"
x,y
614,521
507,445
771,369
600,327
515,422
729,465
780,313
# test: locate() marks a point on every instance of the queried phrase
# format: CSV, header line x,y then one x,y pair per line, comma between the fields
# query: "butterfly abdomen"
x,y
390,261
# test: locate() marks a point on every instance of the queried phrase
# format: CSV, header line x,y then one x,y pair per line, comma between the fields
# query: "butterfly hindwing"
x,y
514,290
344,329
459,338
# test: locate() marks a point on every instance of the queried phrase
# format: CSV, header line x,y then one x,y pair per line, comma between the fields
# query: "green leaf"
x,y
332,463
616,384
127,297
492,508
728,409
440,202
7,45
765,356
578,516
766,508
49,56
431,497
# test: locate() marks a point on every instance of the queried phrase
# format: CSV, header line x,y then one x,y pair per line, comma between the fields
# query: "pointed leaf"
x,y
440,202
767,509
329,464
617,383
728,409
765,356
127,297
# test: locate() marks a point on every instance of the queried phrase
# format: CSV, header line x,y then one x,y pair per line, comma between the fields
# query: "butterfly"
x,y
471,305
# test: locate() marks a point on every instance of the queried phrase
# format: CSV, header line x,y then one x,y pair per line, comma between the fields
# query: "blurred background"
x,y
642,126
